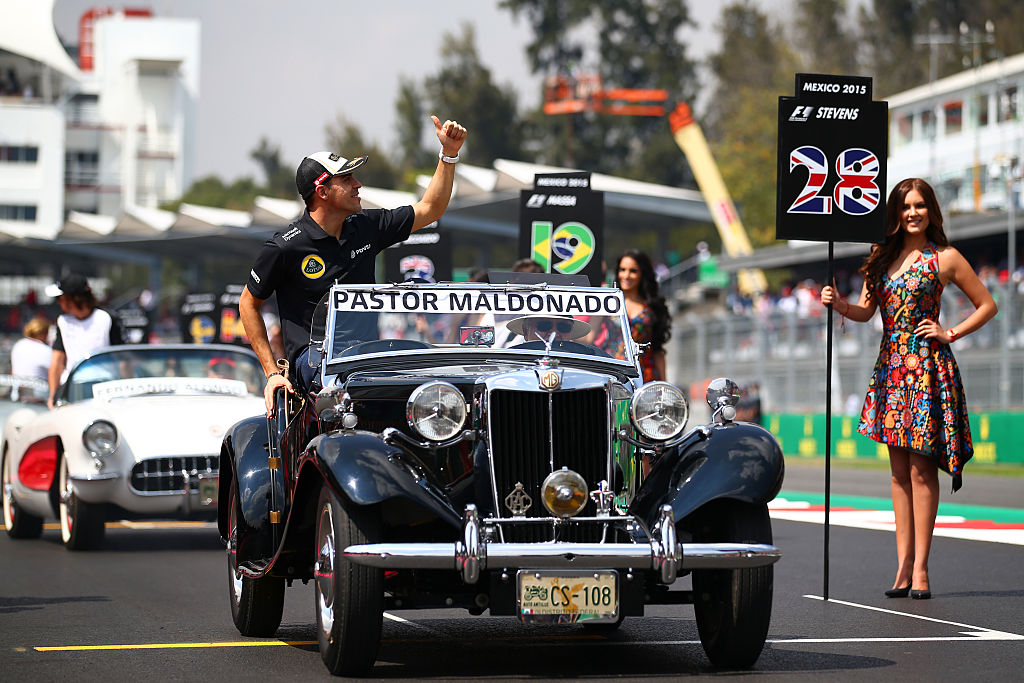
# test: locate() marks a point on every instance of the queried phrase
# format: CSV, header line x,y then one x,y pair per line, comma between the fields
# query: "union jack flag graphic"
x,y
817,167
857,193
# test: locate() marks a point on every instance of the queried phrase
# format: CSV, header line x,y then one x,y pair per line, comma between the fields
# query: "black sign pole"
x,y
828,416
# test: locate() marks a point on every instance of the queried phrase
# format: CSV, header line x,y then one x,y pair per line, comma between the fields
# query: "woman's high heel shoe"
x,y
921,595
898,592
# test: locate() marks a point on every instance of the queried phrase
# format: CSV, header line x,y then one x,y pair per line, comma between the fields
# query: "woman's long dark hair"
x,y
651,295
882,255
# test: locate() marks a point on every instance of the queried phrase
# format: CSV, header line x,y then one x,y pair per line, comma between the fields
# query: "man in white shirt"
x,y
81,329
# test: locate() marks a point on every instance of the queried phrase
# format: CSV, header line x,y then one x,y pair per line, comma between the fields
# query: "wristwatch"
x,y
446,159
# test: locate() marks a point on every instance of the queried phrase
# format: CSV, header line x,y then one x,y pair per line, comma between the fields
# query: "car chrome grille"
x,y
523,426
167,475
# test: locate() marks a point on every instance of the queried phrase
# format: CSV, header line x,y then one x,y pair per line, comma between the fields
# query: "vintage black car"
x,y
521,468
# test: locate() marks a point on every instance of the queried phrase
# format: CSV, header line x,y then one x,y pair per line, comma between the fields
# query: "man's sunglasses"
x,y
563,326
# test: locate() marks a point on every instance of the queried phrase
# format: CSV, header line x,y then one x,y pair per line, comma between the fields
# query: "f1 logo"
x,y
801,113
535,201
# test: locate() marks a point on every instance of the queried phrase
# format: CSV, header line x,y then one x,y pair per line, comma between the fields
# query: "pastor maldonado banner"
x,y
833,142
561,224
597,301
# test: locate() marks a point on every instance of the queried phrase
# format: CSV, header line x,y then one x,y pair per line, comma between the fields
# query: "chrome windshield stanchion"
x,y
665,551
470,553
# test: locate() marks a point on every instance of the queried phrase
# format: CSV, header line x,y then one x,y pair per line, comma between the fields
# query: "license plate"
x,y
208,487
568,596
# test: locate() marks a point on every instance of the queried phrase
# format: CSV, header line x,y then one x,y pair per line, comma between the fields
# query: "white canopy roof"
x,y
27,29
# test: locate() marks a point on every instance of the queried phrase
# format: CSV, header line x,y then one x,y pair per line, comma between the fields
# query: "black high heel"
x,y
898,592
921,595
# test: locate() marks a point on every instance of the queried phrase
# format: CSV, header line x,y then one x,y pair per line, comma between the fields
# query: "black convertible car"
x,y
521,468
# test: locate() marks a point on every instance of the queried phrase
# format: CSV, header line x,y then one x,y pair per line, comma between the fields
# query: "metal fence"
x,y
784,354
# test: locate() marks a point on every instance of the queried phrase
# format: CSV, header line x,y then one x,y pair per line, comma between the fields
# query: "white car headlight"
x,y
100,438
658,411
436,410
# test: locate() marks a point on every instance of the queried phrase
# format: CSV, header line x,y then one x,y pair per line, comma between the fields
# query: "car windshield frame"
x,y
391,299
123,370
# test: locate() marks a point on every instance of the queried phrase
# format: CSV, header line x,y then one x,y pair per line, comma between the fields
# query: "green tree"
x,y
280,178
211,191
412,118
820,27
464,90
752,68
346,139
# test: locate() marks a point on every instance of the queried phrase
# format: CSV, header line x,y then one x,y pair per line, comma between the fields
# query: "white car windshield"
x,y
144,370
526,320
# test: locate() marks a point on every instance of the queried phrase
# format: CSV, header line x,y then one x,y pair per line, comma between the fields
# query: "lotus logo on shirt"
x,y
313,266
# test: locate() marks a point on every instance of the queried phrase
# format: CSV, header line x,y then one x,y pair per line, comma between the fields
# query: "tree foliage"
x,y
279,177
752,68
412,118
345,138
464,90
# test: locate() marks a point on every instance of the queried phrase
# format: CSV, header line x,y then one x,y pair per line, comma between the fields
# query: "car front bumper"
x,y
662,553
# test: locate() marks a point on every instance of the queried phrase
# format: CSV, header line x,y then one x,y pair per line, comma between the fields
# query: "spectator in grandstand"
x,y
916,403
81,329
649,320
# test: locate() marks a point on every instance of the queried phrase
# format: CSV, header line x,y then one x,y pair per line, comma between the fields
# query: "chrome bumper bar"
x,y
469,557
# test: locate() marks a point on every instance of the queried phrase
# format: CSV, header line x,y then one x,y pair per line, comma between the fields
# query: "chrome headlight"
x,y
564,493
658,411
100,438
436,410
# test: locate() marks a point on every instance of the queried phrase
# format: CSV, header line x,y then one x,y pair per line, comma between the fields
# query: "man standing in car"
x,y
81,329
334,240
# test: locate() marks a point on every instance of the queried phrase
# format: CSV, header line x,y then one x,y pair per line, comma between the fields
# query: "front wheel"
x,y
256,604
81,524
18,523
349,597
734,606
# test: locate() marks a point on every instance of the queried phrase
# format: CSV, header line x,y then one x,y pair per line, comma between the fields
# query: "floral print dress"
x,y
915,398
641,327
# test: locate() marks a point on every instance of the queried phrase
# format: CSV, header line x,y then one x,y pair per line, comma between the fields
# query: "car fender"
x,y
738,460
243,463
367,471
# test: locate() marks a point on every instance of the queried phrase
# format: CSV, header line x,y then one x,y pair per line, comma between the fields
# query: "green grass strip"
x,y
972,512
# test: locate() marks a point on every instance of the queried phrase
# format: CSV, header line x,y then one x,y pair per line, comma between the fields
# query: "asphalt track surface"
x,y
153,604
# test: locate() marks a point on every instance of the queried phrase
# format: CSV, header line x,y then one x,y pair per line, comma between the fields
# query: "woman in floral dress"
x,y
915,402
649,321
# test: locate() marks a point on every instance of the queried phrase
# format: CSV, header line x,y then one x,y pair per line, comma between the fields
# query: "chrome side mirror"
x,y
722,395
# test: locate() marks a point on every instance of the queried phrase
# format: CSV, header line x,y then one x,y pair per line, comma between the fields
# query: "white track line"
x,y
981,633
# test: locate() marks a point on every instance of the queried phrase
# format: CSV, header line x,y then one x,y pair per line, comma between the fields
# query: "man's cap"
x,y
222,360
69,284
317,169
579,328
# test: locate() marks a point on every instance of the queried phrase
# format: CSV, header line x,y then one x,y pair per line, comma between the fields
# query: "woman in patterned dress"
x,y
649,321
915,402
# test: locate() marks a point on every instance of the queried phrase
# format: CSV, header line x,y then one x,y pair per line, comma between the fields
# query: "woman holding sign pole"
x,y
915,402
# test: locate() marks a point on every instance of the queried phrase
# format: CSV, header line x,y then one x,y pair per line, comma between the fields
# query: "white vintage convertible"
x,y
139,427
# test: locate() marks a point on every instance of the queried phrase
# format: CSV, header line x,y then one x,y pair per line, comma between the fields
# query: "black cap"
x,y
317,169
70,284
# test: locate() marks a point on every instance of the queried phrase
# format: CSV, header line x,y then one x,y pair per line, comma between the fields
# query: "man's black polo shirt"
x,y
302,262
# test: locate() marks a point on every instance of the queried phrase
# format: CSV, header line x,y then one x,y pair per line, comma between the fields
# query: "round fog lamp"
x,y
658,411
564,493
100,438
436,410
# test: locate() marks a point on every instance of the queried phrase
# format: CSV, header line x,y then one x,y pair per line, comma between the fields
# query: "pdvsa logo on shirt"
x,y
313,266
